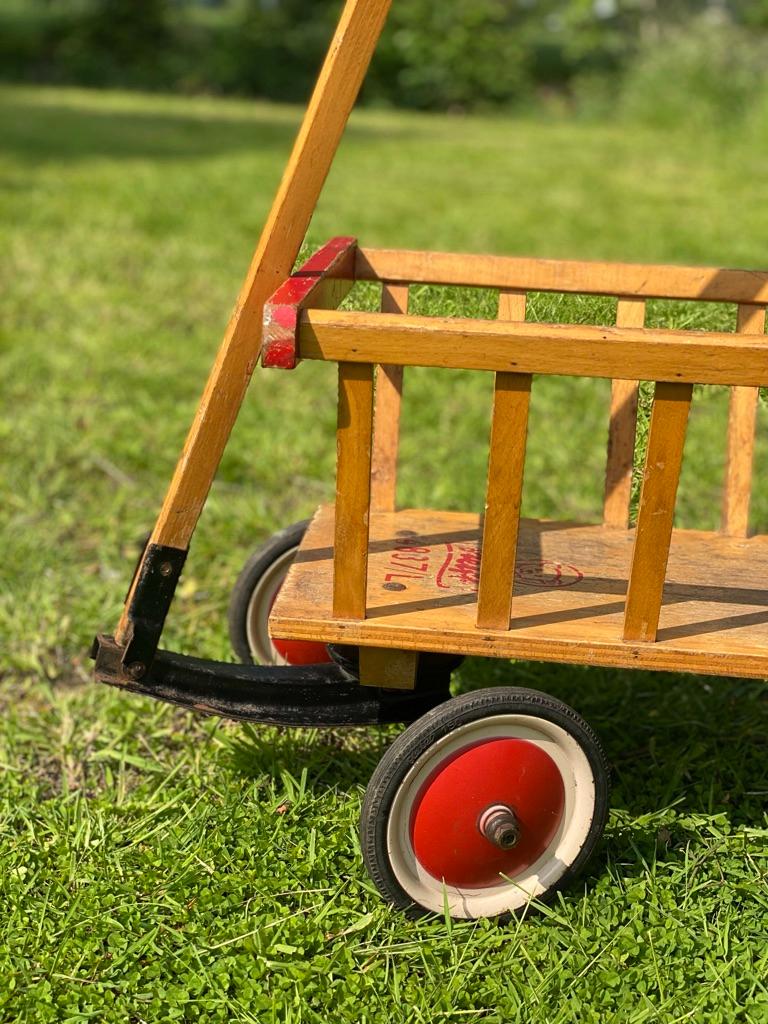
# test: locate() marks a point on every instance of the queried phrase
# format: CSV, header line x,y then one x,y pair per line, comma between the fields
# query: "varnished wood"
x,y
742,422
511,401
512,303
570,586
386,418
621,429
577,350
713,284
509,430
666,438
388,667
318,139
353,489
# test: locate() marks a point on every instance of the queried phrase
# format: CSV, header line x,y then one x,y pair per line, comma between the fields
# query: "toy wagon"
x,y
494,799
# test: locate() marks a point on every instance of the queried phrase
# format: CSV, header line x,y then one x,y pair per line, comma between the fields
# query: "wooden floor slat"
x,y
570,587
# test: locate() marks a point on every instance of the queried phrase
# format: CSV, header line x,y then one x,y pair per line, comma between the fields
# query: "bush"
x,y
707,74
455,54
459,54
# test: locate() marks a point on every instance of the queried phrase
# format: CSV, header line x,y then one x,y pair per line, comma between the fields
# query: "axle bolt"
x,y
136,669
499,824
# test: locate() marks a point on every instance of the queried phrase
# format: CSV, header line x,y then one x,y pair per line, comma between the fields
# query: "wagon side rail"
x,y
632,284
372,349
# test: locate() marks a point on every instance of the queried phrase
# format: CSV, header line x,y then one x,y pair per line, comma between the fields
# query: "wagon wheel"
x,y
489,801
252,598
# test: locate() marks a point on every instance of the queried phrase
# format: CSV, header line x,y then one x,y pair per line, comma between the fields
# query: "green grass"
x,y
158,866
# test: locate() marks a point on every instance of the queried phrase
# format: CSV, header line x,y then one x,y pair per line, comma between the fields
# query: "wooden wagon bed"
x,y
643,595
568,604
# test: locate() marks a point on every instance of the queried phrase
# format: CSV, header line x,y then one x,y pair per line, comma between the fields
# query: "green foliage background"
x,y
456,54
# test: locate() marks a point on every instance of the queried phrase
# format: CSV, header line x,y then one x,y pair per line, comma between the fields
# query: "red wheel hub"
x,y
299,652
445,819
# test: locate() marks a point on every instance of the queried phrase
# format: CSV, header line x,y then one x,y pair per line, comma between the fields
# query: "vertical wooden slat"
x,y
386,434
512,304
388,667
353,489
742,421
669,420
621,430
509,429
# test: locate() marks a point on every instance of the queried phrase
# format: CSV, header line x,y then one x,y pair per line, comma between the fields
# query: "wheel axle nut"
x,y
500,826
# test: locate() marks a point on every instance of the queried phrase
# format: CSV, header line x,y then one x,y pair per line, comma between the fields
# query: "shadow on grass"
x,y
70,133
692,743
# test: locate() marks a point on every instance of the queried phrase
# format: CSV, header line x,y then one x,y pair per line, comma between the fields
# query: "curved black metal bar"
x,y
311,695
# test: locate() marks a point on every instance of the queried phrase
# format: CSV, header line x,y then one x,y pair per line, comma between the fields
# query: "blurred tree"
x,y
130,28
442,55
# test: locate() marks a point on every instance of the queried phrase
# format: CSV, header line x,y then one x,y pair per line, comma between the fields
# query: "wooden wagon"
x,y
644,596
493,799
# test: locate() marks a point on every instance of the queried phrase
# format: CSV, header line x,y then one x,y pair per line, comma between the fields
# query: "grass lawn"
x,y
158,866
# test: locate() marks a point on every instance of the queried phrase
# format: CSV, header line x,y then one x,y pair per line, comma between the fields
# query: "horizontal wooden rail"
x,y
710,284
573,350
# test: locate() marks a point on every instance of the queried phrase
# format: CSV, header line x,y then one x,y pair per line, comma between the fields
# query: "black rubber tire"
x,y
252,572
279,544
411,744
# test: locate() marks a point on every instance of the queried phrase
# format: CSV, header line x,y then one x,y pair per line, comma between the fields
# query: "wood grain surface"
x,y
655,517
354,435
504,491
332,100
742,423
699,357
334,96
386,416
643,280
570,588
621,429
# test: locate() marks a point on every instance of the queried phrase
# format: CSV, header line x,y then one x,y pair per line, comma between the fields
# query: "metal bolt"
x,y
499,824
166,568
136,669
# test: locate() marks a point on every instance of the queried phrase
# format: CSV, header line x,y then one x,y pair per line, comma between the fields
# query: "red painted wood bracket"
x,y
320,283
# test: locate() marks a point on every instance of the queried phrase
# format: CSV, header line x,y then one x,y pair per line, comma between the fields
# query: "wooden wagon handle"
x,y
334,96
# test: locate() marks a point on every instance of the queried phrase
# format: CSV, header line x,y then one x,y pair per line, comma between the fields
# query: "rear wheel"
x,y
252,598
489,801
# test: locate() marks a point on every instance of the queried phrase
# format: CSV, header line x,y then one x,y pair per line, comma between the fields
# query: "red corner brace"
x,y
321,283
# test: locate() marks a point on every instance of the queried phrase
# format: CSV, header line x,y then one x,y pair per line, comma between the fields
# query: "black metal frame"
x,y
311,695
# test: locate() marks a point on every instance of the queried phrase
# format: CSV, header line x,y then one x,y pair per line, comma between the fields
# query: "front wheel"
x,y
488,802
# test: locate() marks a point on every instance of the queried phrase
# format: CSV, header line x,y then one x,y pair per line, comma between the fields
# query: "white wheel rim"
x,y
510,894
259,606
